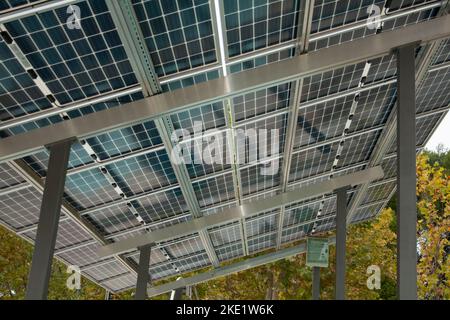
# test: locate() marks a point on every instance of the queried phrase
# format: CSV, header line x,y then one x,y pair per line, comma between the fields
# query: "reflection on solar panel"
x,y
122,182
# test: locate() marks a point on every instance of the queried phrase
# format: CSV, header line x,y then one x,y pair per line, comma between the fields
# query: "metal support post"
x,y
341,230
41,266
316,283
143,276
406,175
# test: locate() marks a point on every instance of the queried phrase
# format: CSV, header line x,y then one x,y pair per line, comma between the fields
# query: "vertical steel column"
x,y
177,294
143,276
41,266
406,174
316,283
341,230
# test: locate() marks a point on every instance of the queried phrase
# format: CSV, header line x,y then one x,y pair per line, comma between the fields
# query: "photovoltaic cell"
x,y
189,81
322,122
261,102
178,33
19,95
20,209
214,190
69,233
9,177
434,92
358,149
74,63
255,24
113,219
261,61
378,192
333,81
374,107
312,162
7,5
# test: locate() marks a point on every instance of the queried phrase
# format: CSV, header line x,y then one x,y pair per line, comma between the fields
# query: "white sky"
x,y
441,135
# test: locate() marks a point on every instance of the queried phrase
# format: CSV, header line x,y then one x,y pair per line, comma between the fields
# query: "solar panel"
x,y
122,181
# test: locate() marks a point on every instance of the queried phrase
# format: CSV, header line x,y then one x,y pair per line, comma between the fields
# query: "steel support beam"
x,y
243,211
218,89
177,294
143,277
41,266
230,269
316,283
406,175
341,230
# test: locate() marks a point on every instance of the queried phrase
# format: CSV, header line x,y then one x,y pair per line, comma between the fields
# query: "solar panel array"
x,y
123,183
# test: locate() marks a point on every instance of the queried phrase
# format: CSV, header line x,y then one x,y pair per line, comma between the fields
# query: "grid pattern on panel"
x,y
20,209
261,140
332,81
187,247
262,223
358,149
261,195
7,5
75,63
378,192
82,256
412,18
322,122
261,61
382,68
178,34
312,162
19,95
443,53
300,214
260,177
230,252
367,212
189,81
88,189
424,126
127,281
158,206
225,234
374,107
113,219
401,4
389,168
125,140
214,190
143,173
262,242
326,224
208,154
296,233
329,14
106,271
124,99
255,24
69,233
434,92
162,271
28,126
39,161
9,177
193,262
197,120
261,102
